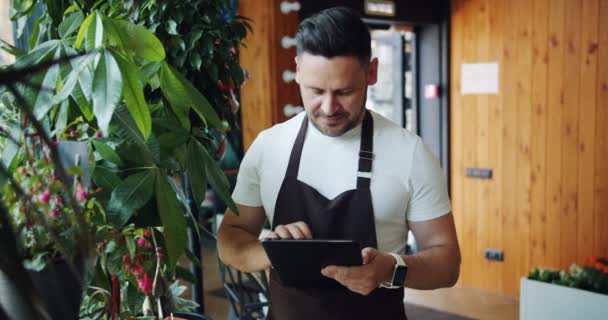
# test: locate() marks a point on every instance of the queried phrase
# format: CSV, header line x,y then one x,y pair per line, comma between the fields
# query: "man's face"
x,y
334,90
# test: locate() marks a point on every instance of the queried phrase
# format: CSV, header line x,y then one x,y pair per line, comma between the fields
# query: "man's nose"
x,y
329,105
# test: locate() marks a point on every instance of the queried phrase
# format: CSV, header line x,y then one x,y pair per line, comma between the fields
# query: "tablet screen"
x,y
299,262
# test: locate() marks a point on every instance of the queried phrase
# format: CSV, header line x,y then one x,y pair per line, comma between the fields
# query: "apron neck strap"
x,y
366,154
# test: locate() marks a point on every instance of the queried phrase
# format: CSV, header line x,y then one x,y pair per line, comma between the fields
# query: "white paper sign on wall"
x,y
479,78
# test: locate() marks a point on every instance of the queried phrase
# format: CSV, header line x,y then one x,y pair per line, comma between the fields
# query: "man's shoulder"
x,y
284,129
388,131
276,136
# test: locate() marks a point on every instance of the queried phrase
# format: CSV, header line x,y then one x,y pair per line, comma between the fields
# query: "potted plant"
x,y
103,80
582,291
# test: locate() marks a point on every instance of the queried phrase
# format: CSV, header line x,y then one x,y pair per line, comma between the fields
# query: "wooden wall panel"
x,y
456,132
493,271
540,58
544,135
601,138
522,214
587,111
264,94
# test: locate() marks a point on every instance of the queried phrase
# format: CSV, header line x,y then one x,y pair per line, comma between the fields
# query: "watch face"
x,y
399,276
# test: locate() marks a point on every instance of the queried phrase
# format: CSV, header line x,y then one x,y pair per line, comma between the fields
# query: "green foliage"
x,y
592,276
139,82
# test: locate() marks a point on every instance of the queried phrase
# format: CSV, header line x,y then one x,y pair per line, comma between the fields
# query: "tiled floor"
x,y
473,303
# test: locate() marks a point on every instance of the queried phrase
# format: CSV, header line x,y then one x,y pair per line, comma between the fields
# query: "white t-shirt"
x,y
407,183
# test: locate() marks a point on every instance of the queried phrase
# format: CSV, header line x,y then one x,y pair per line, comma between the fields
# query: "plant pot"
x,y
60,289
541,300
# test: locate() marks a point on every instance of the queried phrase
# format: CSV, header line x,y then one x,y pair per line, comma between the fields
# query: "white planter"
x,y
540,300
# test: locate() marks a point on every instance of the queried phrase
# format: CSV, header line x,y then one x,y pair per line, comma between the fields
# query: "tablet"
x,y
299,262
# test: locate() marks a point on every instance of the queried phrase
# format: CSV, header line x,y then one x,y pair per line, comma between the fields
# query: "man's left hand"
x,y
377,267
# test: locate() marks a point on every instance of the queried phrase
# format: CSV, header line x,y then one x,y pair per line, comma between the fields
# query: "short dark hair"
x,y
337,31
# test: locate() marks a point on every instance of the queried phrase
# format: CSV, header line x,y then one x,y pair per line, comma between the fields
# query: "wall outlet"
x,y
494,254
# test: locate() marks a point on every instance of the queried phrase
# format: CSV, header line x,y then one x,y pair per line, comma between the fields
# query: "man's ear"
x,y
297,70
372,72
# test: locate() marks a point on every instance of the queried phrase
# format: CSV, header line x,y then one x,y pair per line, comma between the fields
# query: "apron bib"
x,y
349,216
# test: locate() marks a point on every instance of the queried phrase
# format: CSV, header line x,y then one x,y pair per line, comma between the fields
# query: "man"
x,y
339,171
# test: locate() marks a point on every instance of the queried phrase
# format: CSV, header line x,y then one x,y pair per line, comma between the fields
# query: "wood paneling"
x,y
264,94
544,135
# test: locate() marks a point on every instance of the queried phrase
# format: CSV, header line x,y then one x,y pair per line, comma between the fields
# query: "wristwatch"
x,y
399,274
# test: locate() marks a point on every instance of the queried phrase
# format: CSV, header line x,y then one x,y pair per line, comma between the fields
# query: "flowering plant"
x,y
97,73
47,224
592,276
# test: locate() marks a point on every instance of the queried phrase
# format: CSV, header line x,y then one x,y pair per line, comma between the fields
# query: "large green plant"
x,y
106,81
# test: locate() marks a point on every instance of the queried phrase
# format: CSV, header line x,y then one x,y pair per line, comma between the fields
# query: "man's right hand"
x,y
296,230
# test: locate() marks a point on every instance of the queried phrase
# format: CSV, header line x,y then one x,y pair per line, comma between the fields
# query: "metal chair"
x,y
248,293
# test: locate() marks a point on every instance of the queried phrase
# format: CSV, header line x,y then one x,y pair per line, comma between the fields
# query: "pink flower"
x,y
224,87
147,233
98,134
45,197
217,41
145,284
58,200
159,250
55,213
81,195
22,170
233,50
141,242
137,270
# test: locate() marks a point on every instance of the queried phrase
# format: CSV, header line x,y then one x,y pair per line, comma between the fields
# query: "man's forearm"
x,y
433,268
241,250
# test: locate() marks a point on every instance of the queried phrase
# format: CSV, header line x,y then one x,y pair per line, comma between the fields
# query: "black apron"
x,y
348,216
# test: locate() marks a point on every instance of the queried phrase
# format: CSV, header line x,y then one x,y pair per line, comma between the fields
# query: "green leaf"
x,y
148,71
134,95
44,100
106,152
62,116
136,39
7,156
107,89
42,52
85,107
131,246
84,27
3,175
217,178
195,36
9,48
105,178
37,263
182,96
79,66
172,217
172,28
126,128
94,34
196,60
172,139
20,7
196,171
153,146
175,92
133,193
184,274
70,24
82,91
